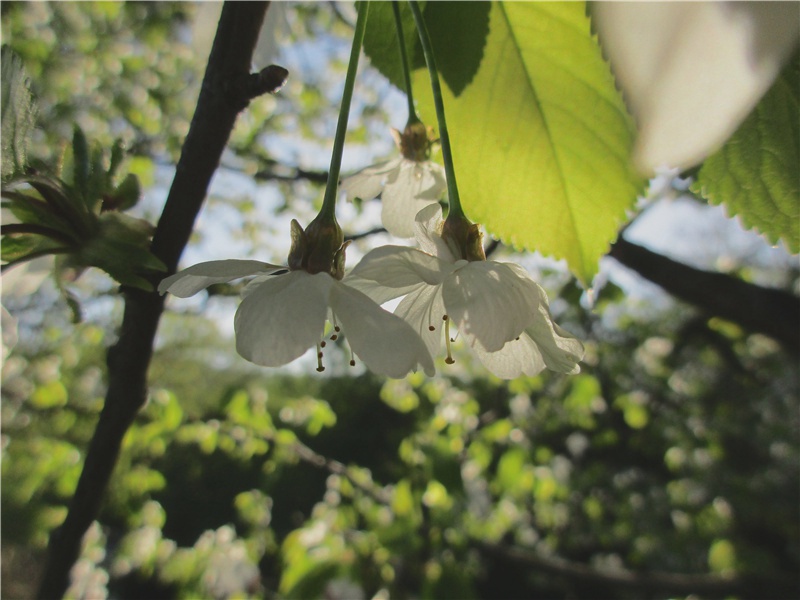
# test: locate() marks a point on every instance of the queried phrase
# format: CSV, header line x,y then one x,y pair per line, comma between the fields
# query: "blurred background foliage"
x,y
676,450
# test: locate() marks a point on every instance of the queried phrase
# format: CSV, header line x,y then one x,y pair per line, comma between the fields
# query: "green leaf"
x,y
457,68
722,557
18,112
127,193
16,249
756,174
50,395
380,41
541,136
80,165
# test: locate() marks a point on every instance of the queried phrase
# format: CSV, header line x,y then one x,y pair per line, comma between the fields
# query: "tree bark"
x,y
769,311
224,93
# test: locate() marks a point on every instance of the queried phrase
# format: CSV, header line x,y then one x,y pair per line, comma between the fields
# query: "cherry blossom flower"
x,y
284,314
406,184
497,307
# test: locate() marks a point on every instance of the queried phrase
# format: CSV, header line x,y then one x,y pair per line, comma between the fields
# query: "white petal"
x,y
560,349
516,358
422,309
407,191
428,231
692,71
198,277
490,303
368,183
387,344
389,272
282,318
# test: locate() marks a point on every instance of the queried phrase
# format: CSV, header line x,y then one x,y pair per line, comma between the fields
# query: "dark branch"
x,y
129,358
769,311
291,174
364,234
267,81
766,586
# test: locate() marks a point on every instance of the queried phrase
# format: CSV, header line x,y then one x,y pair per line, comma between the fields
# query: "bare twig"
x,y
335,467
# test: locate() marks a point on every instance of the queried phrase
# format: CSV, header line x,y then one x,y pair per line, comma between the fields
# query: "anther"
x,y
449,360
322,344
431,328
334,337
320,368
352,362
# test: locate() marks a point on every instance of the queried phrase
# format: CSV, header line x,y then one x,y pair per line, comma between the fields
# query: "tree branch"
x,y
291,174
717,586
128,360
769,311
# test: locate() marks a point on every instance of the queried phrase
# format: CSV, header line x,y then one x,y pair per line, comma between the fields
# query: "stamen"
x,y
320,368
449,360
352,355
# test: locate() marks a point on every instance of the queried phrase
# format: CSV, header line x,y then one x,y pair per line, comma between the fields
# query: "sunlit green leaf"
x,y
756,174
541,138
50,395
722,556
510,468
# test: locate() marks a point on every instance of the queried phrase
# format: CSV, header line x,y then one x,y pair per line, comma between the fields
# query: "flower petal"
x,y
692,71
368,183
423,308
198,277
516,358
386,343
407,191
282,318
490,302
560,349
428,231
388,272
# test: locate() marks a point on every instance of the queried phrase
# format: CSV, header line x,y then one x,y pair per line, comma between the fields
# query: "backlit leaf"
x,y
756,174
541,137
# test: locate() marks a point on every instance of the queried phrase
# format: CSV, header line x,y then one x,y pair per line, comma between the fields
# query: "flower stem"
x,y
447,154
332,188
412,111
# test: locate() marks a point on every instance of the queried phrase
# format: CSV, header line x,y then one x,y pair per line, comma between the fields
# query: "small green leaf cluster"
x,y
80,219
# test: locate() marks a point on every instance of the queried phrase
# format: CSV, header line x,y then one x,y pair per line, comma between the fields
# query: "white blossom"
x,y
283,315
691,72
497,307
406,184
